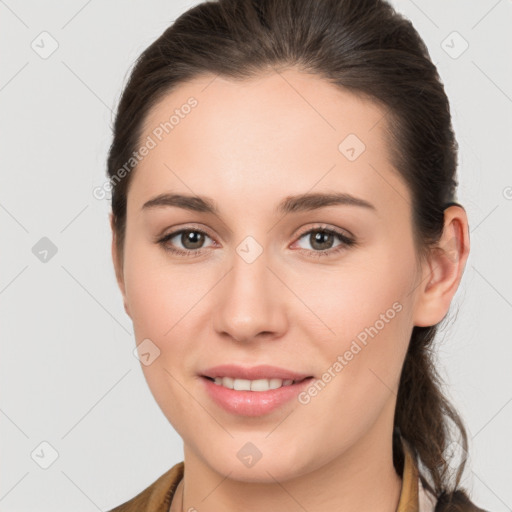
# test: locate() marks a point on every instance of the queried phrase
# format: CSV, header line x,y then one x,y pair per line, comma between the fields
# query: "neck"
x,y
361,478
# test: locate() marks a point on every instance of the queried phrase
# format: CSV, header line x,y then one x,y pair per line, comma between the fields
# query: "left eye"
x,y
321,239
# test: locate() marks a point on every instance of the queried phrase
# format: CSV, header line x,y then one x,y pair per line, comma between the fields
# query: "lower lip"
x,y
253,403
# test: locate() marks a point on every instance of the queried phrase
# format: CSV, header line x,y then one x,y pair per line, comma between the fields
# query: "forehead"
x,y
282,130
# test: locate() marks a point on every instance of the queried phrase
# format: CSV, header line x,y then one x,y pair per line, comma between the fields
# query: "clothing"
x,y
157,497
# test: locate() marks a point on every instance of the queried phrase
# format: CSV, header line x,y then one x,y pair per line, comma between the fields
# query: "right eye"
x,y
191,239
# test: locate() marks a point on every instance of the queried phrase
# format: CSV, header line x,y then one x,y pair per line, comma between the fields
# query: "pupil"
x,y
318,238
192,237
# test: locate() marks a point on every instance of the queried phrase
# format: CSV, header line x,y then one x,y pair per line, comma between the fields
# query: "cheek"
x,y
366,312
167,302
361,373
160,297
352,301
158,293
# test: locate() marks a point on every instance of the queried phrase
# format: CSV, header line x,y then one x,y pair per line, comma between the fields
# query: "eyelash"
x,y
346,242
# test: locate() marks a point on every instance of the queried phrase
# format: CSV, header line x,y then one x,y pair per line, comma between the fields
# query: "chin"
x,y
266,469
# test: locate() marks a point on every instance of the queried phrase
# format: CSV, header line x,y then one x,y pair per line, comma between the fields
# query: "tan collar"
x,y
414,497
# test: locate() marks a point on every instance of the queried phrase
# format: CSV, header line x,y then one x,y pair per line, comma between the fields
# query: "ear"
x,y
118,266
443,271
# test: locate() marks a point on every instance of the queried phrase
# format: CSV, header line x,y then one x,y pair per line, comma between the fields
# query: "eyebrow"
x,y
291,204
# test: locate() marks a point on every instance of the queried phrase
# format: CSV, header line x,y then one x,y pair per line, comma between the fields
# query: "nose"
x,y
250,302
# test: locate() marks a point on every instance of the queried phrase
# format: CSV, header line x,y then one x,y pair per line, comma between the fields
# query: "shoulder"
x,y
157,496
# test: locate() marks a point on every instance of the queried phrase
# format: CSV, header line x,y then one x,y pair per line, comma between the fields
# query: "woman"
x,y
287,241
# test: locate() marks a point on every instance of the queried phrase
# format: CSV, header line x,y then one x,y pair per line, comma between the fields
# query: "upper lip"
x,y
253,373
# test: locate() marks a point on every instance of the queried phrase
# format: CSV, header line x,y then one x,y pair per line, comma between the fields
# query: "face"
x,y
322,288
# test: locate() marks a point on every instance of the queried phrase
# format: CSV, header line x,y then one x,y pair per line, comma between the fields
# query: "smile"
x,y
253,385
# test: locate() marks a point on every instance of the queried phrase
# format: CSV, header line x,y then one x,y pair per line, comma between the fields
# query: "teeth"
x,y
252,385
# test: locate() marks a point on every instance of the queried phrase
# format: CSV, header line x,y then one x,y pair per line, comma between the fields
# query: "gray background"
x,y
68,374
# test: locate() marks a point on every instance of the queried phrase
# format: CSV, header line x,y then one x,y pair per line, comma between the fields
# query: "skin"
x,y
247,145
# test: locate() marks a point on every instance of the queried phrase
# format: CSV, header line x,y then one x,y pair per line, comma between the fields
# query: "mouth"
x,y
256,385
243,397
253,390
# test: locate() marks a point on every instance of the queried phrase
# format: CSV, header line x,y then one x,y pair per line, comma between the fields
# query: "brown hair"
x,y
366,47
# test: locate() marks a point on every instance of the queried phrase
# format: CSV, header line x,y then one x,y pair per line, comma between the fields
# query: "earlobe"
x,y
444,269
118,266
